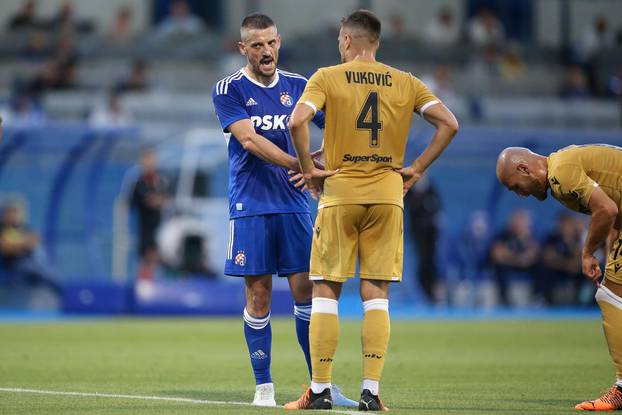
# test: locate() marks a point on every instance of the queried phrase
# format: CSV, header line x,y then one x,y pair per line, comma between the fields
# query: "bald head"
x,y
523,172
510,158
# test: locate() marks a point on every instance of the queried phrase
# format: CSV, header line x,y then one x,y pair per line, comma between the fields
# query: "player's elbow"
x,y
611,211
295,122
452,126
246,141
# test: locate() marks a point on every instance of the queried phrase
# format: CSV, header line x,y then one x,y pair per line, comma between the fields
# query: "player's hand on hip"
x,y
410,177
298,180
314,181
591,267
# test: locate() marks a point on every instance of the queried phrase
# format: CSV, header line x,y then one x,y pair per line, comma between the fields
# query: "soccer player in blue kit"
x,y
270,227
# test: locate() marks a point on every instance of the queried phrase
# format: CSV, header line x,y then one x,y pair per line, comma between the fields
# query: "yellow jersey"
x,y
575,171
369,108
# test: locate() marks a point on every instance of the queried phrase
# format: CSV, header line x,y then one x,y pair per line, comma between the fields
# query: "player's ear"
x,y
278,42
522,168
242,48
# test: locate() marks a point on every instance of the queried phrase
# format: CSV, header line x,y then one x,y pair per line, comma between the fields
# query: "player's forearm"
x,y
300,137
270,152
600,227
440,141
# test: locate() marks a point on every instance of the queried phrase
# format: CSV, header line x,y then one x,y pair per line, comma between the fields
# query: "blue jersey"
x,y
257,187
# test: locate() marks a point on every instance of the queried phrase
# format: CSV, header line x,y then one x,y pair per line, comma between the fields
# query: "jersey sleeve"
x,y
228,107
314,94
571,181
424,98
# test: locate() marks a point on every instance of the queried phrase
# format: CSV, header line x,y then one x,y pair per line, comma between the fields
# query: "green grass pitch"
x,y
436,367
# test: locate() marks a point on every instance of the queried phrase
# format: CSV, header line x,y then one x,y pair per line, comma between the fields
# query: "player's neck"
x,y
363,55
264,80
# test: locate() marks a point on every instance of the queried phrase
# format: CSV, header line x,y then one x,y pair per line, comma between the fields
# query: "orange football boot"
x,y
310,400
610,401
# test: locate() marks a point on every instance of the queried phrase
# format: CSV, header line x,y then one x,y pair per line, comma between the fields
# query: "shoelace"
x,y
613,397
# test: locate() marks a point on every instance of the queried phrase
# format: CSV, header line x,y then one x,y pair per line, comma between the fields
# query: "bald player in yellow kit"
x,y
587,179
369,108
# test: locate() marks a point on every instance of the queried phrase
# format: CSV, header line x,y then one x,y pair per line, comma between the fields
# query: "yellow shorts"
x,y
613,269
374,233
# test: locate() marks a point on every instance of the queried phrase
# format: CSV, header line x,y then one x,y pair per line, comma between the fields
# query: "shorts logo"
x,y
240,259
286,99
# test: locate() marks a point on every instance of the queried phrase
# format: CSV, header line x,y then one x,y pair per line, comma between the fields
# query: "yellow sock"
x,y
323,337
611,309
375,337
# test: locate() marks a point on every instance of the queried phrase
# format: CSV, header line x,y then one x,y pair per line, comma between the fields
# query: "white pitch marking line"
x,y
144,398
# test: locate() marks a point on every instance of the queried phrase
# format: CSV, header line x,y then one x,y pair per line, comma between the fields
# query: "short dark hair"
x,y
257,21
364,20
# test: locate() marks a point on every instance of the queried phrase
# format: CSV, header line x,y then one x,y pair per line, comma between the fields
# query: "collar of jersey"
x,y
276,79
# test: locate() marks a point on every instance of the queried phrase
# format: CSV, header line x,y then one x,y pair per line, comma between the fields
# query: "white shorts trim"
x,y
606,295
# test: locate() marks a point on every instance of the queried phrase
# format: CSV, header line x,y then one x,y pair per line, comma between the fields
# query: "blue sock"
x,y
258,334
302,312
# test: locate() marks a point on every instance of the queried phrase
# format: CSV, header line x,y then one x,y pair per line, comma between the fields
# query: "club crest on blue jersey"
x,y
240,259
286,99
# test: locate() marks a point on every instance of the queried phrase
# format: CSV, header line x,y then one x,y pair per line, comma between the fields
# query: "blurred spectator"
x,y
136,81
66,23
595,38
444,30
614,84
20,255
511,63
24,110
423,206
396,29
561,260
37,46
574,85
179,22
468,269
47,78
514,253
149,197
122,31
485,29
66,51
472,247
111,114
25,18
440,83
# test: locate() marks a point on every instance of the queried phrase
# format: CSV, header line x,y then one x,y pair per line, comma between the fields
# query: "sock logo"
x,y
259,355
373,356
326,359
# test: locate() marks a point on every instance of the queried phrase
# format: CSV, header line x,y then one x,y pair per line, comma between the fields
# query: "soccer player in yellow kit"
x,y
369,108
587,179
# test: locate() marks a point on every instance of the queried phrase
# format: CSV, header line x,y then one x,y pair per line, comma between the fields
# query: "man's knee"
x,y
372,289
301,287
258,296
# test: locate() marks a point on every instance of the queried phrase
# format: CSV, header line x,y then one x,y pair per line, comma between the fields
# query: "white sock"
x,y
372,385
619,382
319,387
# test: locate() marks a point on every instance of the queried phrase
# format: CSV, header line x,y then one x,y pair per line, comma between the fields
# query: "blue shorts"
x,y
278,243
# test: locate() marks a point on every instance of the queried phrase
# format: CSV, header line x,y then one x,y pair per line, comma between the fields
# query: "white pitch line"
x,y
143,398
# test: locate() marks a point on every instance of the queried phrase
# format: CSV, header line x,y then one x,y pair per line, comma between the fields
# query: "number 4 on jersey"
x,y
373,124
